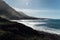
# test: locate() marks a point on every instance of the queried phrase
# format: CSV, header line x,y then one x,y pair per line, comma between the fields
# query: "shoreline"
x,y
44,29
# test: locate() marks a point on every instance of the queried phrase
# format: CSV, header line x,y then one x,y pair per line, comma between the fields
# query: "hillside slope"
x,y
9,13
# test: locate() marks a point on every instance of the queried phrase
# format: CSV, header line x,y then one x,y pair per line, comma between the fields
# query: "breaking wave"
x,y
49,25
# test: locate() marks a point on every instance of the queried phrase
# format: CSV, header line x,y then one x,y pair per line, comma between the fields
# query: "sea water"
x,y
47,25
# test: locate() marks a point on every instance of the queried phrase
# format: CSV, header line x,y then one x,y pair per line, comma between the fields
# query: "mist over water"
x,y
49,25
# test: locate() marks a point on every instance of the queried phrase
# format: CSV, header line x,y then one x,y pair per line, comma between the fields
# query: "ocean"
x,y
47,25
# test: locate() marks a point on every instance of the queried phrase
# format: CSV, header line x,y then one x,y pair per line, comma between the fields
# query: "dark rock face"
x,y
19,29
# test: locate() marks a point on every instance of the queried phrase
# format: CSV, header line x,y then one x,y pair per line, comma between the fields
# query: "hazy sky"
x,y
37,8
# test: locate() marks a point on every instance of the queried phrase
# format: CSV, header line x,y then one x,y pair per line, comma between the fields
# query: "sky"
x,y
37,8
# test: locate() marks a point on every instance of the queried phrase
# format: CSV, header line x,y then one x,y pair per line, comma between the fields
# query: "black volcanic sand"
x,y
17,31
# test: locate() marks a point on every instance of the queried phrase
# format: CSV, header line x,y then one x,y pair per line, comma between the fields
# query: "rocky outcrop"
x,y
10,30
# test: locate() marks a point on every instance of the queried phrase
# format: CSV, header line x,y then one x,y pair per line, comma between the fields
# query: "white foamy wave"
x,y
44,28
47,29
41,28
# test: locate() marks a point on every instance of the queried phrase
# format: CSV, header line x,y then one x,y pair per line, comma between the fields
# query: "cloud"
x,y
36,11
41,13
26,2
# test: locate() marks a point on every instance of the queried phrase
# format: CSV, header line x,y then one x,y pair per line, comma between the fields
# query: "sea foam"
x,y
31,24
